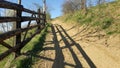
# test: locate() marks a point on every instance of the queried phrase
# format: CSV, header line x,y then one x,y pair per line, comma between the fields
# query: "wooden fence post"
x,y
44,11
44,18
18,26
38,21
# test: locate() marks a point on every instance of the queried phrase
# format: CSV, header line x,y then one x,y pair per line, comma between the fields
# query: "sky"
x,y
54,6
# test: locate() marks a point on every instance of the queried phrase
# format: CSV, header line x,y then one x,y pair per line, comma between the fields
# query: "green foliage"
x,y
97,23
2,49
48,16
103,16
67,17
106,23
110,32
87,20
5,63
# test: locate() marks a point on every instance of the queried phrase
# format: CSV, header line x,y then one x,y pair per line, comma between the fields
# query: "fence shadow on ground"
x,y
59,60
31,55
86,57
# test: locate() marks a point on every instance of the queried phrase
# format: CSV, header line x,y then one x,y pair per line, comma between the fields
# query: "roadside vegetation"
x,y
104,16
29,52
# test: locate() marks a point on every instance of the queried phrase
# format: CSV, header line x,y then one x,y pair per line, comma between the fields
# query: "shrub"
x,y
107,23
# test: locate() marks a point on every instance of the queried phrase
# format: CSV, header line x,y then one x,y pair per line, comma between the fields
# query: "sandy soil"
x,y
73,46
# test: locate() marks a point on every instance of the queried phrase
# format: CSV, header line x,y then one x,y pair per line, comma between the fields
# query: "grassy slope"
x,y
105,17
31,49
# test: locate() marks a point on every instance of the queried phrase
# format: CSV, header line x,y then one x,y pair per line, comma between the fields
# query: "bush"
x,y
107,23
110,32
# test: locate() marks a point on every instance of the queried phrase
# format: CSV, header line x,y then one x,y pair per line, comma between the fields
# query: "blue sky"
x,y
53,5
56,7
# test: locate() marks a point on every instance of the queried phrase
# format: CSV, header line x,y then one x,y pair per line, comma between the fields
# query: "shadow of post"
x,y
59,58
75,58
89,61
30,58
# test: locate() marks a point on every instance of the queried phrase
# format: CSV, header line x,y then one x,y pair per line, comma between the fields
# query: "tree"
x,y
76,4
6,26
68,7
11,13
71,6
101,2
84,6
89,3
48,16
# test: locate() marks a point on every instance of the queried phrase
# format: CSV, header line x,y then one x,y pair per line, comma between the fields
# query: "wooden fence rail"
x,y
38,16
22,19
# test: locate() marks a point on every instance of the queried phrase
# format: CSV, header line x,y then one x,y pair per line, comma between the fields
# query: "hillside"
x,y
104,17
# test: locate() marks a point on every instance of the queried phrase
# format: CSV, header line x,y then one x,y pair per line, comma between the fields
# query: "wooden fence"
x,y
38,16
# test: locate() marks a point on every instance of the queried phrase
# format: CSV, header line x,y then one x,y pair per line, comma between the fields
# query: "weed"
x,y
97,23
107,23
110,32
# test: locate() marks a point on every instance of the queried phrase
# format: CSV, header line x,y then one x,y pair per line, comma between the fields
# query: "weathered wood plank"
x,y
31,18
8,19
14,49
29,11
14,6
9,5
10,34
6,45
27,26
24,18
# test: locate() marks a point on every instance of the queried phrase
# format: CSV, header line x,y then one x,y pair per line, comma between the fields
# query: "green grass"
x,y
5,63
33,48
107,23
111,32
101,16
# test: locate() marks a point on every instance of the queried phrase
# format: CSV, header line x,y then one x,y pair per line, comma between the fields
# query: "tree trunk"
x,y
84,6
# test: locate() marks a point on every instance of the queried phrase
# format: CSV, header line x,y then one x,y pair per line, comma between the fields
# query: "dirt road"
x,y
64,48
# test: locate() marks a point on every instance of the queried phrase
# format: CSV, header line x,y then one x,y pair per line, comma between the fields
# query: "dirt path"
x,y
63,50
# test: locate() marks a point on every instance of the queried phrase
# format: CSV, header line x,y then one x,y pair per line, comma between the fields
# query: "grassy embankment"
x,y
104,17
